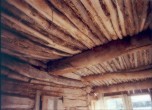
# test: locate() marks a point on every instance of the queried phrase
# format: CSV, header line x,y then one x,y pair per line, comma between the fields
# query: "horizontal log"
x,y
14,75
13,102
120,76
30,90
74,103
31,72
124,87
100,54
24,46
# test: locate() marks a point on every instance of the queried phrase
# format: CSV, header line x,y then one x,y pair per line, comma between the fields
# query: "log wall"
x,y
17,95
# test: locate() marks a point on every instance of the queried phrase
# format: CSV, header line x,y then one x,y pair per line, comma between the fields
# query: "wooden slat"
x,y
100,54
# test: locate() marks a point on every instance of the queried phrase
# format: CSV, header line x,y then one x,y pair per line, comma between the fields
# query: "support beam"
x,y
124,87
100,54
120,76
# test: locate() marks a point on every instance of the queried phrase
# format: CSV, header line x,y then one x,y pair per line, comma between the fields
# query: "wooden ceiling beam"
x,y
138,75
101,54
31,72
146,84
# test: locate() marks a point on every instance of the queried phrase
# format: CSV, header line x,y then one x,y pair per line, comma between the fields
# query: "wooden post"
x,y
37,100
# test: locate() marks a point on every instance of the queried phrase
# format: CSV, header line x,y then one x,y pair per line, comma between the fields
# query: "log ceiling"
x,y
77,43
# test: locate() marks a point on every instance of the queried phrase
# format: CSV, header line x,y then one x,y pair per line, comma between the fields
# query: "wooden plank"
x,y
124,87
100,54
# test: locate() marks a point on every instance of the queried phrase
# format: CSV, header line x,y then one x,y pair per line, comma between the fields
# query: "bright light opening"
x,y
141,102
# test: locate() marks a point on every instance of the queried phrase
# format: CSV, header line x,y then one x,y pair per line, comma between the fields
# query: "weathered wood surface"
x,y
124,87
30,90
101,54
24,46
14,102
31,72
41,23
72,26
68,94
39,31
111,77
